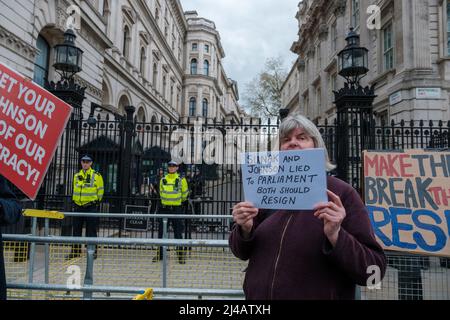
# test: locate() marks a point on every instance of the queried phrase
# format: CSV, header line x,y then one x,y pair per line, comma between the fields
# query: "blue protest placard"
x,y
289,180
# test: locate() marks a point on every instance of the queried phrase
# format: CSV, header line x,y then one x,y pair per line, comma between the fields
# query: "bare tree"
x,y
262,95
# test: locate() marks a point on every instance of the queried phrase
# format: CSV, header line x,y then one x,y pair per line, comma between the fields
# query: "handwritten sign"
x,y
136,223
408,198
31,123
290,180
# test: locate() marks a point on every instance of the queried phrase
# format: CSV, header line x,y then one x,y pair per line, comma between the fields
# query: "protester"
x,y
307,254
10,212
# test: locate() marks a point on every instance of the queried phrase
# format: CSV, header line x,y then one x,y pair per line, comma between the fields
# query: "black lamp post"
x,y
354,110
92,121
283,113
68,62
68,59
353,64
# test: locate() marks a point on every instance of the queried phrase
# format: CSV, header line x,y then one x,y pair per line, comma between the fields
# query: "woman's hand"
x,y
332,213
243,214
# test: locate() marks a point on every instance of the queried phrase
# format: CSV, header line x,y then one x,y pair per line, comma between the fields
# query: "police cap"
x,y
87,158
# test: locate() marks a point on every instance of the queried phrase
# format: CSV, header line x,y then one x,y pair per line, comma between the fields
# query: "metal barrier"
x,y
40,267
209,270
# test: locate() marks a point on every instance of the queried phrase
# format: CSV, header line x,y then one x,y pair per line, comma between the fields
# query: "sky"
x,y
251,31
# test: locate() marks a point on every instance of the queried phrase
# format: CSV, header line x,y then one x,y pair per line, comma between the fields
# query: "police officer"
x,y
173,191
87,194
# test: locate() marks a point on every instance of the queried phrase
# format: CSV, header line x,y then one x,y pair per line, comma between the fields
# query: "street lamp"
x,y
92,121
68,62
353,65
68,57
283,113
354,109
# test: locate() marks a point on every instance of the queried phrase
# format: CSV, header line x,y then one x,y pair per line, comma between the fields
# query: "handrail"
x,y
117,241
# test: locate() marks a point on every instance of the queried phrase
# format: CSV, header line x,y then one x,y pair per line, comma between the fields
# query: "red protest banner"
x,y
32,121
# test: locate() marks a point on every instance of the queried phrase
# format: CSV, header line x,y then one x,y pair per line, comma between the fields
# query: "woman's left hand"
x,y
332,213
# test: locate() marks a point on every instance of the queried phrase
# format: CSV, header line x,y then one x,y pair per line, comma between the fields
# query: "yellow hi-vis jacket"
x,y
87,187
173,190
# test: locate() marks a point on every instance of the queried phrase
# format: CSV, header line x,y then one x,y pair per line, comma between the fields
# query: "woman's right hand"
x,y
243,215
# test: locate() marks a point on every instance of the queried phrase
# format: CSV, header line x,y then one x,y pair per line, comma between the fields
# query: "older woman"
x,y
316,254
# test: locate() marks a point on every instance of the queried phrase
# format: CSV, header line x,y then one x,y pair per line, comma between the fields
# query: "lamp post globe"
x,y
68,57
353,59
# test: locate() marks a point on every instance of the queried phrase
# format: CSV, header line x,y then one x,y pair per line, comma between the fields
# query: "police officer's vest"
x,y
87,187
173,190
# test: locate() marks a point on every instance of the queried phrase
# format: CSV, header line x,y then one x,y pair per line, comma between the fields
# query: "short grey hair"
x,y
296,121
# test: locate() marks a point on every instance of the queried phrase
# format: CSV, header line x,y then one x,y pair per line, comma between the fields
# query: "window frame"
x,y
355,14
205,106
142,61
192,107
446,28
155,75
206,66
194,66
44,69
334,37
126,41
388,54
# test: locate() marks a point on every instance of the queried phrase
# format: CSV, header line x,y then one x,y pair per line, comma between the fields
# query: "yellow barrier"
x,y
146,295
43,214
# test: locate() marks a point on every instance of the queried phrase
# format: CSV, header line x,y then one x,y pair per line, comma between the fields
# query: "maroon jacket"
x,y
291,258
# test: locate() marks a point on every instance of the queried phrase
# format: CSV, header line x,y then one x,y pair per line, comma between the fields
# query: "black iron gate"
x,y
129,155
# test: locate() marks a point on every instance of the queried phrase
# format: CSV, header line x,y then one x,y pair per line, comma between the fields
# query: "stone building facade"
x,y
136,52
209,92
409,56
290,90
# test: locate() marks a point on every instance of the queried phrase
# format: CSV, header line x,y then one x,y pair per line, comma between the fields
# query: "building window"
x,y
164,86
106,11
41,63
141,115
142,62
157,14
319,58
205,108
194,47
388,47
194,66
306,113
206,67
319,99
332,85
206,48
384,119
355,14
171,96
192,107
334,38
448,27
126,41
155,75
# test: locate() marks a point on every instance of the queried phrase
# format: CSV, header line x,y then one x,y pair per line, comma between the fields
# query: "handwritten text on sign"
x,y
408,198
31,123
290,180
